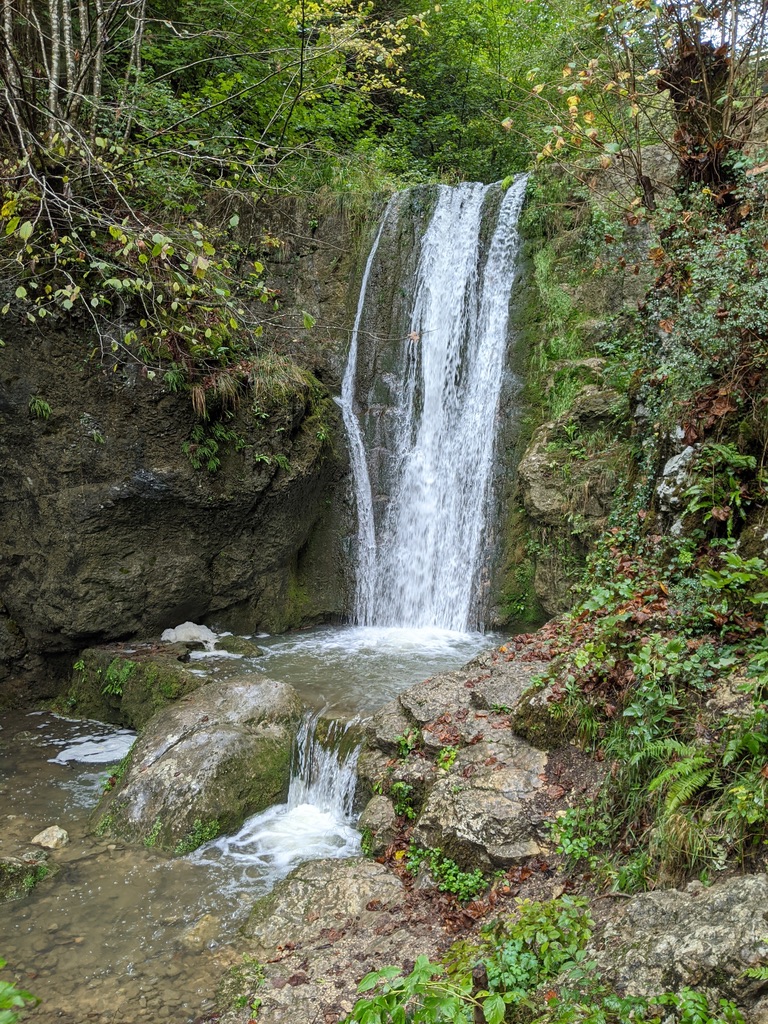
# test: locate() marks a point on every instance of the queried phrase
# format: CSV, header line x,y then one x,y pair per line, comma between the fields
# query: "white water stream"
x,y
317,820
416,583
421,567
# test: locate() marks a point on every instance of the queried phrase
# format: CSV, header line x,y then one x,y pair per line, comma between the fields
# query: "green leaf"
x,y
494,1009
234,220
25,231
309,320
11,226
21,292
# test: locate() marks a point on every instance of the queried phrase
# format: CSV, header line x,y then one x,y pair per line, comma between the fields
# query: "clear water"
x,y
316,821
352,670
127,934
121,925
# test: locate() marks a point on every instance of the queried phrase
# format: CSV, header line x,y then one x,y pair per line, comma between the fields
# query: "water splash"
x,y
315,822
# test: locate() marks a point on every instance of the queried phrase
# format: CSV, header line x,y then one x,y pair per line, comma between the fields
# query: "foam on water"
x,y
315,822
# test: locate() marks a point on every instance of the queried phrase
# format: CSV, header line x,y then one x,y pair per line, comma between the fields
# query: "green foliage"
x,y
39,408
518,957
447,874
150,840
425,995
104,825
116,774
240,984
13,1000
721,487
401,793
580,833
199,833
445,758
366,842
119,671
594,1003
203,449
407,742
536,965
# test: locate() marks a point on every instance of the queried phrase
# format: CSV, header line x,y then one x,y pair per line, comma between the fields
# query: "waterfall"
x,y
366,535
419,564
315,821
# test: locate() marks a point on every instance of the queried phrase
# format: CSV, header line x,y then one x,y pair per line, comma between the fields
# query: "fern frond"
x,y
687,787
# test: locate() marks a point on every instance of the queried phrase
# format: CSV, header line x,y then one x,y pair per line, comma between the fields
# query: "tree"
x,y
683,74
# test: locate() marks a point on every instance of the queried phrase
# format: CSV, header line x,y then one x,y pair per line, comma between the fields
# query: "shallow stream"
x,y
124,934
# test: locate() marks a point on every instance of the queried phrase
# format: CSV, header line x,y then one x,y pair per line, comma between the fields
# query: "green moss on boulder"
x,y
127,686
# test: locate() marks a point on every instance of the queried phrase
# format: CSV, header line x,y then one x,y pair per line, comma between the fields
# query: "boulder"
x,y
127,684
52,838
483,812
378,825
21,872
447,754
705,938
238,645
204,764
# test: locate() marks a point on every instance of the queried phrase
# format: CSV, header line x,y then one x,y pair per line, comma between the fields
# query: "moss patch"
x,y
111,685
18,878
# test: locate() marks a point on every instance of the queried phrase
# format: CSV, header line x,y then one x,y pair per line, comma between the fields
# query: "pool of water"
x,y
125,934
354,669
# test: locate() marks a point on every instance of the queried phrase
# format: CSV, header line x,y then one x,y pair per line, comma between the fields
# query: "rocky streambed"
x,y
465,761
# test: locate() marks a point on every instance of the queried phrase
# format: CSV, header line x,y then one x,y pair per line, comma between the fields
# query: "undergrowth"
x,y
533,967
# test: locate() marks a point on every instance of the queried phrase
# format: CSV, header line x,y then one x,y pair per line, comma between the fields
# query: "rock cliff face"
x,y
106,529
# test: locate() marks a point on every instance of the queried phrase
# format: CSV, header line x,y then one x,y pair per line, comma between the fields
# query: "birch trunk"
x,y
55,64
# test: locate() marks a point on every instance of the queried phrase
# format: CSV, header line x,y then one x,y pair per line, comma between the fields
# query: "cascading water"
x,y
418,565
315,821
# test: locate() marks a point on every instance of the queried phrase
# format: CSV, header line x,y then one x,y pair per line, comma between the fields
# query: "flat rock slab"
x,y
218,755
323,928
318,897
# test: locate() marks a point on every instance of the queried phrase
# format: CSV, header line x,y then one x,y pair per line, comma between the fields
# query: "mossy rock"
x,y
20,875
239,645
127,687
203,765
533,719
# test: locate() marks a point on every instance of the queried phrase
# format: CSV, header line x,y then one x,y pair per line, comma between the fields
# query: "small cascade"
x,y
420,558
315,822
324,771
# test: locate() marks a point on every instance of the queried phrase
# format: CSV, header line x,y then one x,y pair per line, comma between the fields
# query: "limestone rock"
x,y
705,938
137,539
219,754
487,818
476,789
378,819
320,895
127,684
52,838
566,493
21,872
